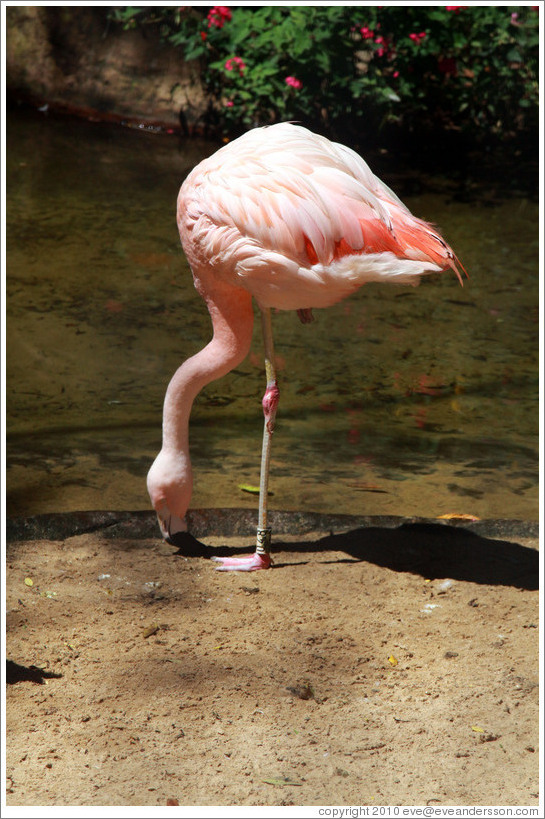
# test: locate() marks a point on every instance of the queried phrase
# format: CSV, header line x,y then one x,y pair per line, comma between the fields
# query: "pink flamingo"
x,y
297,222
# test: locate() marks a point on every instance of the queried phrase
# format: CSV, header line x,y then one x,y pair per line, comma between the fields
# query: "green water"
x,y
398,401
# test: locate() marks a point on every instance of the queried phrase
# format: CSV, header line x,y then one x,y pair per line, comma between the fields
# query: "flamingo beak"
x,y
170,525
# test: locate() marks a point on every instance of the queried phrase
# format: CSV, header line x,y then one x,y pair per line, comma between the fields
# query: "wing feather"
x,y
282,199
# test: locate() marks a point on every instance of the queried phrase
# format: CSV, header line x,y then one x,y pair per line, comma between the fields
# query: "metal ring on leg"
x,y
263,546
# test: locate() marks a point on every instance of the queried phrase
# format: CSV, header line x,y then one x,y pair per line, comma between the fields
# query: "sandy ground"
x,y
374,666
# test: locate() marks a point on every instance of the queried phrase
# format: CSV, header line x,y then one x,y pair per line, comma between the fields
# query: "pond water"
x,y
403,401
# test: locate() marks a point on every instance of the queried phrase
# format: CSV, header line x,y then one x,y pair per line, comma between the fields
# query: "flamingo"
x,y
297,222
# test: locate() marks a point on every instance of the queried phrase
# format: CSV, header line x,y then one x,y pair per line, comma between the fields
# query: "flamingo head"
x,y
169,485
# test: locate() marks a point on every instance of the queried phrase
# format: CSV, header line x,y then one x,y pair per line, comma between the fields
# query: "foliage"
x,y
357,68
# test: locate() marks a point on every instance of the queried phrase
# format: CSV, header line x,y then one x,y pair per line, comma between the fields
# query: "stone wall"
x,y
74,58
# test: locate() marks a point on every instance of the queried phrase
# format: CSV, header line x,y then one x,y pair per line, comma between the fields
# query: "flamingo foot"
x,y
251,563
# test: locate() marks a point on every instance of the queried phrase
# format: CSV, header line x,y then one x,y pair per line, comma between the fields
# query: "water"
x,y
398,401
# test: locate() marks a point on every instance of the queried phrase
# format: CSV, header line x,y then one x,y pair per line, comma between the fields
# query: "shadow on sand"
x,y
485,552
430,550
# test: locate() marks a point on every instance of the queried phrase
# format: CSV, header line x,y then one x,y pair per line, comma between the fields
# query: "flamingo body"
x,y
297,222
300,221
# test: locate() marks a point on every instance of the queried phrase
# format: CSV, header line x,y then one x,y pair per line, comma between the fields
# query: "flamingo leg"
x,y
261,559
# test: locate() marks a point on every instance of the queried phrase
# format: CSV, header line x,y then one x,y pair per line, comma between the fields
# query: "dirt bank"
x,y
376,666
74,59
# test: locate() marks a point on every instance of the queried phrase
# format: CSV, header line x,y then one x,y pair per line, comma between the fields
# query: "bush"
x,y
353,69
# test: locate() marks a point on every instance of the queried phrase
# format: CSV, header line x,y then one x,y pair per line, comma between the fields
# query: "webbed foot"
x,y
250,563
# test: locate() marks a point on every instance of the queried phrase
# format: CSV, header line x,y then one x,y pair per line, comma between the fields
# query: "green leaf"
x,y
391,95
192,53
514,55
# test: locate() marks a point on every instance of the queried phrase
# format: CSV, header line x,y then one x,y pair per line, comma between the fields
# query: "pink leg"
x,y
261,559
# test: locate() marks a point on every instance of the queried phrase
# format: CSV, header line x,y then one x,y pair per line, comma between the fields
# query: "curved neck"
x,y
232,320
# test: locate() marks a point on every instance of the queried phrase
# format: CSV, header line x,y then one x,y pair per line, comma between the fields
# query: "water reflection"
x,y
398,401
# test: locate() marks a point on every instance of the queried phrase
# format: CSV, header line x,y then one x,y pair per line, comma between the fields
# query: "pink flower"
x,y
366,33
294,82
417,38
229,104
395,75
385,47
218,16
235,62
455,9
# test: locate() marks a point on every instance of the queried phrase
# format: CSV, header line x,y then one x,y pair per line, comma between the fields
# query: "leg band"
x,y
263,546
